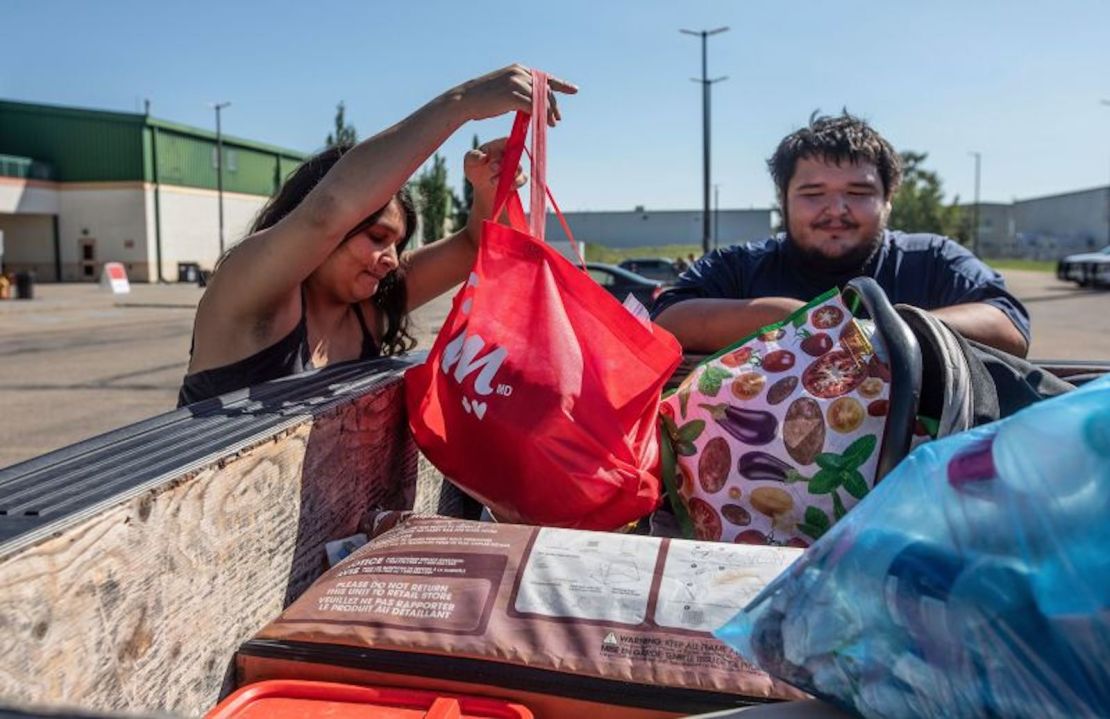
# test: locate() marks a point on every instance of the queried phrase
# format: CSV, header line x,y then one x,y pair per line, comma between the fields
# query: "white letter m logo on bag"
x,y
462,354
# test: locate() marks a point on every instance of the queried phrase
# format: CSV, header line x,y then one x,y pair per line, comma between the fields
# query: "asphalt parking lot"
x,y
77,361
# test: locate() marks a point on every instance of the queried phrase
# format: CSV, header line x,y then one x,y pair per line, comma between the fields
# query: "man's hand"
x,y
708,325
985,323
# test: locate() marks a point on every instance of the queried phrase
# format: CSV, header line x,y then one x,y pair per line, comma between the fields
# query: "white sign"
x,y
114,277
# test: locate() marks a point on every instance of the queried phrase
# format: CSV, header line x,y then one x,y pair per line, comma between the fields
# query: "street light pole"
x,y
716,216
1106,103
975,241
217,106
705,83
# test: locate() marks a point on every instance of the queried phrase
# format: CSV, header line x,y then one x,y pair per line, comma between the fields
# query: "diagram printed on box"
x,y
705,584
587,575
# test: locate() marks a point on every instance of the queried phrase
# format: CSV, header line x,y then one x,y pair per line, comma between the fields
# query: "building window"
x,y
231,160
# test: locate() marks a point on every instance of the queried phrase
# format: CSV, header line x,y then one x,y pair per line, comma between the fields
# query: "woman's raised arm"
x,y
262,273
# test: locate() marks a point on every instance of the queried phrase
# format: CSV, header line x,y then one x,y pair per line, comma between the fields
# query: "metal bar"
x,y
220,175
57,249
157,204
705,142
705,121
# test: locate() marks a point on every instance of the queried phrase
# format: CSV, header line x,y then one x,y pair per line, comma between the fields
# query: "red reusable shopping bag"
x,y
540,395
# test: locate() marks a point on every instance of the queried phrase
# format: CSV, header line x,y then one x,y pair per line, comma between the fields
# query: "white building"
x,y
648,228
79,188
1044,228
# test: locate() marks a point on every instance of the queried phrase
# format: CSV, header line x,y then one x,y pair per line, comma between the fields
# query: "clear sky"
x,y
1019,81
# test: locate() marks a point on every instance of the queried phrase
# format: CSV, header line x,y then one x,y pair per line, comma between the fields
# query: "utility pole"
x,y
217,106
975,237
716,215
1106,103
705,85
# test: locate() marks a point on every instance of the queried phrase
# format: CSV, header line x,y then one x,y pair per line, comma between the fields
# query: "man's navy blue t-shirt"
x,y
926,271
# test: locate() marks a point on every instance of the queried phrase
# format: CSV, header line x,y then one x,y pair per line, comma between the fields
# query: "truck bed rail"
x,y
134,563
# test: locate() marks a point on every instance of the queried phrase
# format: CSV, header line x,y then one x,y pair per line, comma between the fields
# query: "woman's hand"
x,y
482,167
507,90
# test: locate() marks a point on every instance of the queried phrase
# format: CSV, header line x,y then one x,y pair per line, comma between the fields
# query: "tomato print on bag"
x,y
775,438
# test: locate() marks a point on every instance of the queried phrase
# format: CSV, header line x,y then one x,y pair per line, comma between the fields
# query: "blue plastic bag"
x,y
973,581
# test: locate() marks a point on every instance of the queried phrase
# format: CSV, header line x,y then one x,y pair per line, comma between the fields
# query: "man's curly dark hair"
x,y
839,139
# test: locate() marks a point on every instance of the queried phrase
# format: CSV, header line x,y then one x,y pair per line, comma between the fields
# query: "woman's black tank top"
x,y
288,356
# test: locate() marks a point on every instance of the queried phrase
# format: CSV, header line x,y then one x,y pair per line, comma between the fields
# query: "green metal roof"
x,y
76,113
97,146
227,139
81,145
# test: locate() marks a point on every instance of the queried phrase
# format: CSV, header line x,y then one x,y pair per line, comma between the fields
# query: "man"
x,y
835,180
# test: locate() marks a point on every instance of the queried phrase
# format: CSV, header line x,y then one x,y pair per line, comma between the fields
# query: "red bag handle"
x,y
506,197
510,161
536,194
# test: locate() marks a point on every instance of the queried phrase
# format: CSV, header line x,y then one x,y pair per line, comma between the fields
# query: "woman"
x,y
323,276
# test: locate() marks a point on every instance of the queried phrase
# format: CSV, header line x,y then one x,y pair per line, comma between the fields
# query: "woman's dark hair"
x,y
844,138
391,297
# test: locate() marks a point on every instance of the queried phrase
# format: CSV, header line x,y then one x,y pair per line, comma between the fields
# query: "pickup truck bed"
x,y
133,565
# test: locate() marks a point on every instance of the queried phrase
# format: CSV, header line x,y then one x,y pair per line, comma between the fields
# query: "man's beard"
x,y
853,262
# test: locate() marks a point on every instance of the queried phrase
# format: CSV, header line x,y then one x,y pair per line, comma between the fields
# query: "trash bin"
x,y
188,272
293,698
25,285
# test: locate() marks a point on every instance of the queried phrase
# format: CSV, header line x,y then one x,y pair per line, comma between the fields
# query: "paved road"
x,y
1068,322
77,361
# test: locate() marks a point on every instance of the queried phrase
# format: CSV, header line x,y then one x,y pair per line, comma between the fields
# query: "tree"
x,y
461,206
919,203
344,134
460,213
436,198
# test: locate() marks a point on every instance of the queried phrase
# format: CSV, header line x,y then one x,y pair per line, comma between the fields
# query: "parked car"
x,y
654,268
620,283
1088,269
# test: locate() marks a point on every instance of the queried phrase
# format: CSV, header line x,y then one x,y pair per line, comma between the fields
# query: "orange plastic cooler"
x,y
291,699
